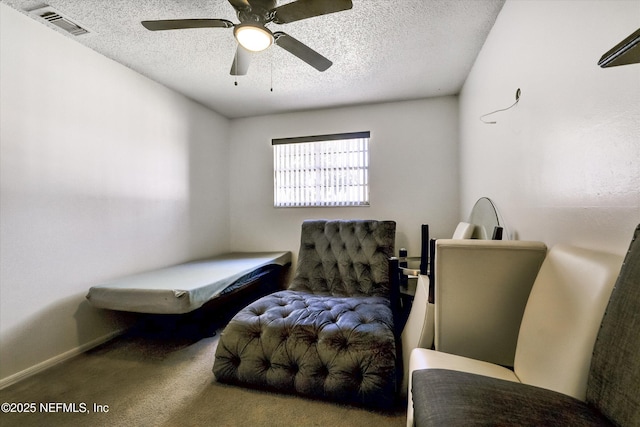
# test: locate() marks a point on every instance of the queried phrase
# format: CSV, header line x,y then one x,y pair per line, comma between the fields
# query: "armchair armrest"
x,y
418,331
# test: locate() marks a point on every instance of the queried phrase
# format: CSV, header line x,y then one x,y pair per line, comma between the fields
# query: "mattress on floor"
x,y
182,288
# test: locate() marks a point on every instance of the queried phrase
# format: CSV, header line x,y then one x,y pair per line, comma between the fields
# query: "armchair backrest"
x,y
345,257
481,289
464,230
562,318
614,377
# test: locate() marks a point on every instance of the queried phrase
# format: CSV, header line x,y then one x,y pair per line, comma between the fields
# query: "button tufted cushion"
x,y
340,348
345,258
331,334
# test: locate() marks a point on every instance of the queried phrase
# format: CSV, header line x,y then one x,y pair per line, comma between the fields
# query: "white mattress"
x,y
181,288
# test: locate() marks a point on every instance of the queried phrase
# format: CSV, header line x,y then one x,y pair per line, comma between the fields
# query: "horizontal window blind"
x,y
322,170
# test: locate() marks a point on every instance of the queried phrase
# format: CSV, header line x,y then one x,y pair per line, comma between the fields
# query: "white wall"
x,y
564,164
413,171
103,173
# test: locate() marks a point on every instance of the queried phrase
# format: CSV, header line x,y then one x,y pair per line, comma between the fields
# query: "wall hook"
x,y
518,93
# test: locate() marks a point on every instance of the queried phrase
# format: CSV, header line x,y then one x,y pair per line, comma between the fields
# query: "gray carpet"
x,y
150,379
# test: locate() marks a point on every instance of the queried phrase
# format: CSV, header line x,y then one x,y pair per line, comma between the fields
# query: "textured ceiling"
x,y
382,50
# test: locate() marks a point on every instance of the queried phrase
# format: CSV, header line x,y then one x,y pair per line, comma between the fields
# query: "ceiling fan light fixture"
x,y
253,37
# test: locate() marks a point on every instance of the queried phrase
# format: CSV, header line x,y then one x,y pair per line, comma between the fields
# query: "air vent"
x,y
56,18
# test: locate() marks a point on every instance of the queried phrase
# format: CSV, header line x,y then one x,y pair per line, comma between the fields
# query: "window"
x,y
322,170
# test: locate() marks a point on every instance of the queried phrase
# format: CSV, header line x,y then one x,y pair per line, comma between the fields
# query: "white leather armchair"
x,y
464,230
483,286
558,328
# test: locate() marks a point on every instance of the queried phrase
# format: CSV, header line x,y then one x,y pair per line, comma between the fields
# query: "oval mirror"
x,y
487,221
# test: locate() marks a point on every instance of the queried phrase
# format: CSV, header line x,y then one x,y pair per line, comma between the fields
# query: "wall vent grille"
x,y
51,15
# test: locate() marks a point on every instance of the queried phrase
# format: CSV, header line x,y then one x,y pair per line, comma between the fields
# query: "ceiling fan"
x,y
253,35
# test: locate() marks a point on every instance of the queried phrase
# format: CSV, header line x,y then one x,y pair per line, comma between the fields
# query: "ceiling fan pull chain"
x,y
271,54
235,75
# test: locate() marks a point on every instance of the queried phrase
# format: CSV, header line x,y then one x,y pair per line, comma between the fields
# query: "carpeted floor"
x,y
160,379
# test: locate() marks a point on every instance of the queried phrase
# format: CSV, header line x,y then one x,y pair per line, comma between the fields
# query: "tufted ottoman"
x,y
331,334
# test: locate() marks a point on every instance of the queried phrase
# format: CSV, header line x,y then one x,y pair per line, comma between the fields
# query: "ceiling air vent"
x,y
56,18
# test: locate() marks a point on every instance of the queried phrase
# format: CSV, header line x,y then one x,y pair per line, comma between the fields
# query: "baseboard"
x,y
19,376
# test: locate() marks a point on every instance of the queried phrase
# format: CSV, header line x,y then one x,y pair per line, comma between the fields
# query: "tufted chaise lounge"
x,y
330,335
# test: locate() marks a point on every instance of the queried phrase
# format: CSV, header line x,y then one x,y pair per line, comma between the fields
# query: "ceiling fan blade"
x,y
303,9
241,61
240,4
180,24
302,51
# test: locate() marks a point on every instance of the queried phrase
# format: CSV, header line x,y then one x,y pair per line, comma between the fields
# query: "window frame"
x,y
345,177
